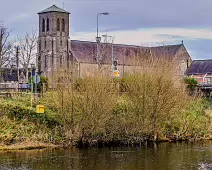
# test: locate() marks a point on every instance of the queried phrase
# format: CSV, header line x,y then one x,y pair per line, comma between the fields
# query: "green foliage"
x,y
19,123
43,80
134,108
191,83
19,111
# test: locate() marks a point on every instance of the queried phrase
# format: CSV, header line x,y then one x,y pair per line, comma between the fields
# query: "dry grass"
x,y
155,105
150,103
27,145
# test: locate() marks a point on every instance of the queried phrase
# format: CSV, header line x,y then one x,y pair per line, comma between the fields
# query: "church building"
x,y
56,49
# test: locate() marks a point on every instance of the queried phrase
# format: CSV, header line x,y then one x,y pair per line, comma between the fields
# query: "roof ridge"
x,y
53,8
132,45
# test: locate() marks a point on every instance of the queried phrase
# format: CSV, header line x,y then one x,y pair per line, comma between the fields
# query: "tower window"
x,y
46,62
52,53
45,44
63,25
58,24
39,62
47,24
61,43
43,25
61,60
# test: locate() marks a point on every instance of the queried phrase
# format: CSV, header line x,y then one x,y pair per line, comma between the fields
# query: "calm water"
x,y
161,157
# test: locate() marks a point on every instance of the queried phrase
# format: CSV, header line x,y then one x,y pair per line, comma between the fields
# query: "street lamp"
x,y
17,61
98,39
33,69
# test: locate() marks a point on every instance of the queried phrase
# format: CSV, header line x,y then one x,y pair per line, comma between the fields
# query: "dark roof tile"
x,y
53,8
85,51
200,67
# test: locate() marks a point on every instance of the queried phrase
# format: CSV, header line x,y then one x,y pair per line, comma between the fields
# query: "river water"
x,y
164,156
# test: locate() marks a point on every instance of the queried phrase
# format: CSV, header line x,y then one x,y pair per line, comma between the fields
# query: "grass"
x,y
27,145
144,106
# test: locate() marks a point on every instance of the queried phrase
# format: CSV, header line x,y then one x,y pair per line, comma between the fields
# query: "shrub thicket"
x,y
151,103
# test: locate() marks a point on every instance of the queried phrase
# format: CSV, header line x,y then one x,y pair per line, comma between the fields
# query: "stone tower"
x,y
53,40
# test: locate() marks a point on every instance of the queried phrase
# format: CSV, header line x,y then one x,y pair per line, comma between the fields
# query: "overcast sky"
x,y
139,22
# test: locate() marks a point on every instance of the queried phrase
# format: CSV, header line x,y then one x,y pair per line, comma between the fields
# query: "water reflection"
x,y
164,156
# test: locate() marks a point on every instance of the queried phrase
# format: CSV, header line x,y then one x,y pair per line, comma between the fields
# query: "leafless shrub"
x,y
155,104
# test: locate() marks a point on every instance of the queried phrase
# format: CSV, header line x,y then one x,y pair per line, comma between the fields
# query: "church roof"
x,y
200,67
85,52
53,8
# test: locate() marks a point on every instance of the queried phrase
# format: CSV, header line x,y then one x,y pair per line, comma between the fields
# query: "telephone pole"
x,y
17,62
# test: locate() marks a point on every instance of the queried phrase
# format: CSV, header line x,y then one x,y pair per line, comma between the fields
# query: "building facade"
x,y
201,70
53,41
56,50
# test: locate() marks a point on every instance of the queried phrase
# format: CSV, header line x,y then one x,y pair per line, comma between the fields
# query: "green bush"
x,y
191,83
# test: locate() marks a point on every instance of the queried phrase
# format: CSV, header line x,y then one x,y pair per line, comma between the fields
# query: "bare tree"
x,y
27,46
5,49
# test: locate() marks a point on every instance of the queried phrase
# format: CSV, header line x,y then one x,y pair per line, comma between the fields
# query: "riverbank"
x,y
28,146
23,129
101,111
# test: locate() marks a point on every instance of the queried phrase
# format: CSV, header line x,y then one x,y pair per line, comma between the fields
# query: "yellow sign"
x,y
40,109
116,73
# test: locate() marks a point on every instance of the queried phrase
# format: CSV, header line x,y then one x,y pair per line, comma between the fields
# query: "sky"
x,y
135,22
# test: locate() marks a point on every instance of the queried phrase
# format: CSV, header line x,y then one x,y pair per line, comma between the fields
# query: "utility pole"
x,y
17,63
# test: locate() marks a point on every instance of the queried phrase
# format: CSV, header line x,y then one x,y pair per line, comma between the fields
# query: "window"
x,y
46,62
61,61
43,25
45,43
58,24
61,43
52,52
63,25
207,80
47,29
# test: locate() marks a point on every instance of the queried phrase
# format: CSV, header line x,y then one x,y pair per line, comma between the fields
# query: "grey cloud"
x,y
124,15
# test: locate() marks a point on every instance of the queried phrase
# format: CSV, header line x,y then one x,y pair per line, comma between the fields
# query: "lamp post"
x,y
98,39
17,62
31,80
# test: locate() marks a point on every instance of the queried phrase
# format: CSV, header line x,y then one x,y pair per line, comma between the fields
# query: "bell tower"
x,y
53,40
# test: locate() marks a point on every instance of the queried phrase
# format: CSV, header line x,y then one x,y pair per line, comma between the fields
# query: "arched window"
x,y
47,28
58,24
46,62
63,25
43,25
61,61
